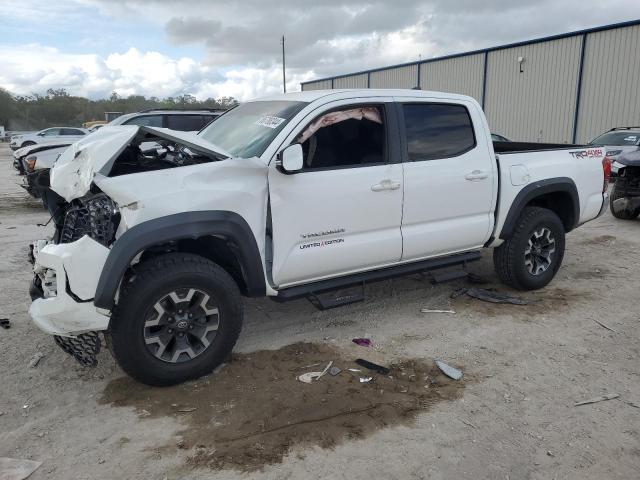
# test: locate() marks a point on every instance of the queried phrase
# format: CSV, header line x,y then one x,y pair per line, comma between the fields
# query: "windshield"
x,y
617,138
248,129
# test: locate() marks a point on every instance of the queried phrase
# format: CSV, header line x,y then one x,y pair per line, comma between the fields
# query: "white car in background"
x,y
48,135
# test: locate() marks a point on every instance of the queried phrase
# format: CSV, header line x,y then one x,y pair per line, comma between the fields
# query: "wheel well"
x,y
561,203
219,250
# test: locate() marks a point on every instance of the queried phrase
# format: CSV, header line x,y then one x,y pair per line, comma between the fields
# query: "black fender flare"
x,y
180,226
538,189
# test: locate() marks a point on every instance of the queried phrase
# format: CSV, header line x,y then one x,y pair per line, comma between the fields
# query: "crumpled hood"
x,y
630,159
73,173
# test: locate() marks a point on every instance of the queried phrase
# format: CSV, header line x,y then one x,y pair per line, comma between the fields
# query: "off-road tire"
x,y
509,258
621,214
153,279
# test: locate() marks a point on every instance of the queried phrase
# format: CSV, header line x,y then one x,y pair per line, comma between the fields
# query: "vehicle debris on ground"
x,y
490,296
602,398
449,371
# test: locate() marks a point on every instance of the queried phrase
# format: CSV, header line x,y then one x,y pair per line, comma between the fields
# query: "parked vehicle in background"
x,y
618,141
48,135
181,120
36,157
290,196
499,138
625,197
34,163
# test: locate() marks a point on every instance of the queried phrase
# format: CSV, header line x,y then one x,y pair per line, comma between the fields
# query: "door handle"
x,y
476,175
385,185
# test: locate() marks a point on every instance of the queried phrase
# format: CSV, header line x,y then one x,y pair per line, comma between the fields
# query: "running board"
x,y
315,288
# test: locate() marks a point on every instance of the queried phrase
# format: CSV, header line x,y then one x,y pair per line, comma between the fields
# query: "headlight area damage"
x,y
67,267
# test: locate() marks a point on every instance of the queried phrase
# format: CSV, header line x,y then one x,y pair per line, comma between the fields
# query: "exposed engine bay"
x,y
95,214
163,154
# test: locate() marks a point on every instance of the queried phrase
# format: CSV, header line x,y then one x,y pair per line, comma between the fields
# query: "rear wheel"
x,y
531,257
621,213
177,319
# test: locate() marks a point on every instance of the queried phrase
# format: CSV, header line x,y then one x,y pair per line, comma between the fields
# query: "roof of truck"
x,y
312,95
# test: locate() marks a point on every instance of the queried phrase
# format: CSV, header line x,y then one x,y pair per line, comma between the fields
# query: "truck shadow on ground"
x,y
254,410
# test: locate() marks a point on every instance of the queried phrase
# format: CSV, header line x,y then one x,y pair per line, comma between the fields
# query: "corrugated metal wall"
x,y
536,105
399,77
539,104
456,75
352,81
319,85
610,93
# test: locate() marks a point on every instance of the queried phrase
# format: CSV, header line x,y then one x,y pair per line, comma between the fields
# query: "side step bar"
x,y
316,288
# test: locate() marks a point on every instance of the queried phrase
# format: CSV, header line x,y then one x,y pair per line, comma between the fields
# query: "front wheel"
x,y
177,318
27,144
531,257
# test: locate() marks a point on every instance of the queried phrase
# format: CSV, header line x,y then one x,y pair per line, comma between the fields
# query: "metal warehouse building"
x,y
564,88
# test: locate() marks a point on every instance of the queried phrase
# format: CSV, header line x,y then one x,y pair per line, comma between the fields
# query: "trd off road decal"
x,y
322,243
594,152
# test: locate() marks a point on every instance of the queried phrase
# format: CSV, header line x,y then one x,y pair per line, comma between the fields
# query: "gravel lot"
x,y
512,415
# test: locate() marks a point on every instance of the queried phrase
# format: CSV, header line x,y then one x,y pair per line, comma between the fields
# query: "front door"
x,y
342,212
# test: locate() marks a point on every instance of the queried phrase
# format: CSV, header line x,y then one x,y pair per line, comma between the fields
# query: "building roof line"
x,y
549,38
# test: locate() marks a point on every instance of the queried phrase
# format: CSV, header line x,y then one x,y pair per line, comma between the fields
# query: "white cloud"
x,y
35,68
239,41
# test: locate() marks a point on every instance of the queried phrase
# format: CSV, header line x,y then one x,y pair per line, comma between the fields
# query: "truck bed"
x,y
519,147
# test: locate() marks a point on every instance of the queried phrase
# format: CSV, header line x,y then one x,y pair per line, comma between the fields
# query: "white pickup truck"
x,y
290,196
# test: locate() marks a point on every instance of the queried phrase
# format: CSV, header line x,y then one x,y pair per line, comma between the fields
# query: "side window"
x,y
146,121
51,132
187,123
351,136
71,131
437,131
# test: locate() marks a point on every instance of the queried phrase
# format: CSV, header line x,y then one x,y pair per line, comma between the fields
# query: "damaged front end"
x,y
625,198
87,222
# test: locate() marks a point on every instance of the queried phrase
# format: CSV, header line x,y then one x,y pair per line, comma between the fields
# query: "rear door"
x,y
449,178
342,212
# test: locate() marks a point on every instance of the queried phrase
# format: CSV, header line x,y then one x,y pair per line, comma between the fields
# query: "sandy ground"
x,y
512,415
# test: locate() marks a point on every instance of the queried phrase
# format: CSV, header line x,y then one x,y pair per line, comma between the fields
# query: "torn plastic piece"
x,y
309,377
36,359
354,369
5,323
373,366
489,296
363,342
426,310
17,469
365,379
449,371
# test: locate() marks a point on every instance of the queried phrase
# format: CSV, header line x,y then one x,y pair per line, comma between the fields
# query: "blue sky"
x,y
213,48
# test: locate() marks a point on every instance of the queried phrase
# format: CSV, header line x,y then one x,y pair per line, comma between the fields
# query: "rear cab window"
x,y
188,123
437,130
146,121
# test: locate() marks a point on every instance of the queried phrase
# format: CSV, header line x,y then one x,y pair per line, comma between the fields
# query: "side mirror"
x,y
41,134
291,159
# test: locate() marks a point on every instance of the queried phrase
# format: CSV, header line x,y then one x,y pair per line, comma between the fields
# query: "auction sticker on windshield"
x,y
269,121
